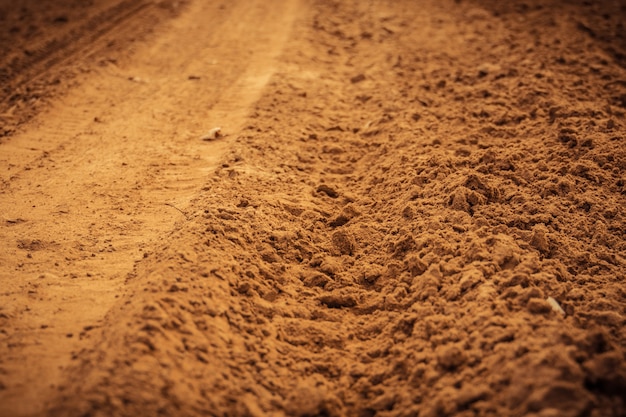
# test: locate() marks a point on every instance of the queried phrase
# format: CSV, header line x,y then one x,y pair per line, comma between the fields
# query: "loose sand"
x,y
417,209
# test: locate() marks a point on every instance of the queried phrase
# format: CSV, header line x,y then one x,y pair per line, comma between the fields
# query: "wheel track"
x,y
110,169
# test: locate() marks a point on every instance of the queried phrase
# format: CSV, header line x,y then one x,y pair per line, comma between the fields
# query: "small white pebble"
x,y
555,305
213,134
136,79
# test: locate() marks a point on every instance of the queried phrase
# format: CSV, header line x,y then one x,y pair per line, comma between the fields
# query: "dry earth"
x,y
417,208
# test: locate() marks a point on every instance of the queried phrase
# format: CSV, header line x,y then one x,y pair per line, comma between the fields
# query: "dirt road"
x,y
105,174
416,209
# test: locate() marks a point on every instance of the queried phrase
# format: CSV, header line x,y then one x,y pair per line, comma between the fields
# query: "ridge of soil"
x,y
421,215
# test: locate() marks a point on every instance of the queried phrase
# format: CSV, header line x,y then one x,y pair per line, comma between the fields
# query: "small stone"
x,y
212,134
556,307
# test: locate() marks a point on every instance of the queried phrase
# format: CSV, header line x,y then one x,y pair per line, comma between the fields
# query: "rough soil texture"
x,y
417,210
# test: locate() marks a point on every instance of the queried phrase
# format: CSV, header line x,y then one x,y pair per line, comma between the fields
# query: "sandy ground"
x,y
415,208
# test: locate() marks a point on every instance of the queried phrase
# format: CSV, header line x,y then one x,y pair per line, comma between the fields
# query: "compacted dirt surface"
x,y
414,208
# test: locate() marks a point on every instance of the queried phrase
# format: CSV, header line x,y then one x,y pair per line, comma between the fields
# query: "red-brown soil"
x,y
416,209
